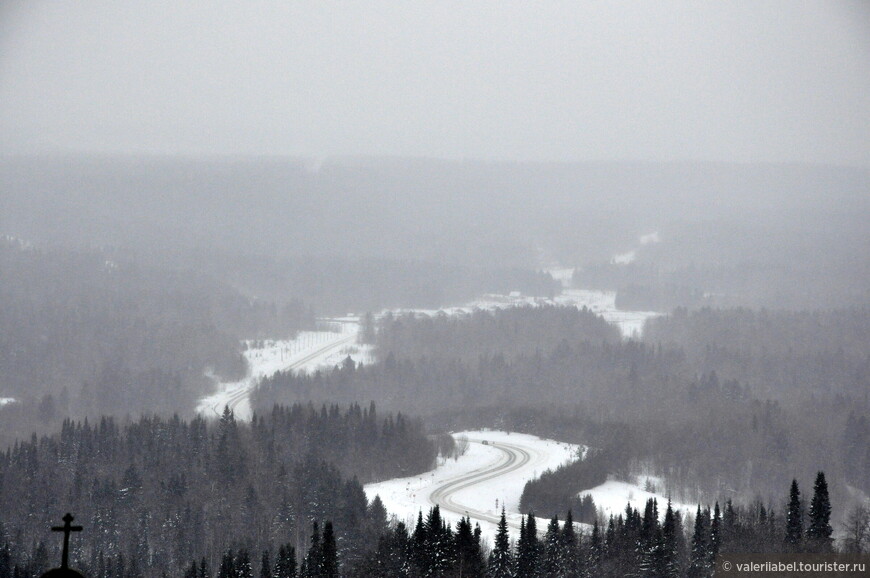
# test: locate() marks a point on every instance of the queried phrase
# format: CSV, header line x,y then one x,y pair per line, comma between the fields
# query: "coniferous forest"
x,y
282,495
429,289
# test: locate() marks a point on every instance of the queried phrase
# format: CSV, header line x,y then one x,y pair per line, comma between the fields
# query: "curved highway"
x,y
243,391
514,457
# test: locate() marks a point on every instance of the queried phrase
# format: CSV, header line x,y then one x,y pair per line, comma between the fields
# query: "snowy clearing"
x,y
490,475
318,350
612,496
603,303
7,401
308,352
624,258
564,275
650,238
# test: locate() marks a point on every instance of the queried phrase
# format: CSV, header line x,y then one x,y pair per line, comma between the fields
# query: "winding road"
x,y
244,390
514,457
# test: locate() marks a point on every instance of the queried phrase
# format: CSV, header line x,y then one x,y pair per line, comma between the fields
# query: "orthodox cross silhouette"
x,y
66,529
64,571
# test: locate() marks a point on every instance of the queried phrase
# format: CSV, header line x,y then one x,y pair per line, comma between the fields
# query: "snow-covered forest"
x,y
432,289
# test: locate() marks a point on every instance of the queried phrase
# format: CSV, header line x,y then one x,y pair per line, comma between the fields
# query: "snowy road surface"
x,y
308,351
489,476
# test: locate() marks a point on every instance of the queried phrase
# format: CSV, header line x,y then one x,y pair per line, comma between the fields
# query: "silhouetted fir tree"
x,y
6,561
623,555
265,565
552,562
204,571
819,529
376,520
285,562
794,524
648,542
391,559
610,534
329,553
419,540
773,532
191,572
698,562
313,563
439,554
244,568
227,567
730,530
715,535
500,564
594,553
469,557
667,559
528,549
570,557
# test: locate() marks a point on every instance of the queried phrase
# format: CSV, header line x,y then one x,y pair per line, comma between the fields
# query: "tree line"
x,y
157,492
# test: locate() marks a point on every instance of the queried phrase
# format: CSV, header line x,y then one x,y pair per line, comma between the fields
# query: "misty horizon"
x,y
777,82
382,289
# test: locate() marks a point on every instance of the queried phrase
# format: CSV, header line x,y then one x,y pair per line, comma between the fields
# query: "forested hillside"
x,y
743,235
714,411
158,493
84,334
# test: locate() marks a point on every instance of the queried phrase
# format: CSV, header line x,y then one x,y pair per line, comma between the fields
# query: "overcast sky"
x,y
729,81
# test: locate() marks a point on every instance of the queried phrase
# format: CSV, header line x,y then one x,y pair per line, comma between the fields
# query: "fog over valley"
x,y
368,289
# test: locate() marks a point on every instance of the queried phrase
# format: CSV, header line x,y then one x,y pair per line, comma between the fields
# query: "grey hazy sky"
x,y
731,81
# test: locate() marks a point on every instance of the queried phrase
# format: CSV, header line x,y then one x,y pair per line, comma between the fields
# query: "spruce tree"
x,y
528,549
244,568
699,556
648,545
419,542
553,562
730,531
819,530
285,562
500,560
438,556
666,559
715,535
570,557
204,571
313,563
468,553
329,553
227,569
265,565
794,524
609,536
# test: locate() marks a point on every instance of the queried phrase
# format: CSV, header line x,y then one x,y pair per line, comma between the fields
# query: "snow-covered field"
x,y
6,400
631,256
314,350
612,496
564,275
603,303
490,475
308,352
624,258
